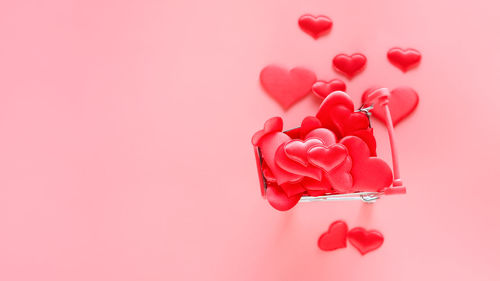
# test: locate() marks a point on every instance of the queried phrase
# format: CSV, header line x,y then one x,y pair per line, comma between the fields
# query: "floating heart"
x,y
365,240
315,25
274,124
327,157
287,87
404,59
322,89
334,238
349,65
278,199
402,102
369,173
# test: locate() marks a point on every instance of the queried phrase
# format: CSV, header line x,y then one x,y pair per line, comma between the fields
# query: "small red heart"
x,y
404,59
315,26
278,199
327,158
334,238
287,87
368,173
365,240
349,65
322,89
402,102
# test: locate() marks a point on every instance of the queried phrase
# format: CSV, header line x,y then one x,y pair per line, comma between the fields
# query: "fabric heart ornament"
x,y
287,86
315,26
292,158
327,157
279,200
308,124
322,89
350,65
369,173
335,238
274,124
404,59
364,240
402,102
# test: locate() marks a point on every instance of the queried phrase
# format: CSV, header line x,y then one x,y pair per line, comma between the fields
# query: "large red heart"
x,y
334,238
369,173
365,240
402,102
315,25
349,65
404,59
327,157
287,87
322,89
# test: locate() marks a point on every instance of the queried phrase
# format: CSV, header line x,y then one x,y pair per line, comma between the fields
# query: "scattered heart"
x,y
404,59
349,65
364,240
316,26
335,238
402,102
322,89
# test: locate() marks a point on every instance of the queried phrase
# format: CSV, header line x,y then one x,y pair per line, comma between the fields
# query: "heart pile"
x,y
333,152
337,235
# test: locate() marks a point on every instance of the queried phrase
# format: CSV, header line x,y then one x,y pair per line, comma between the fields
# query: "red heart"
x,y
322,89
274,124
327,157
285,163
340,178
287,87
365,240
404,59
308,124
269,144
369,173
349,65
315,26
402,102
323,134
334,238
278,199
297,150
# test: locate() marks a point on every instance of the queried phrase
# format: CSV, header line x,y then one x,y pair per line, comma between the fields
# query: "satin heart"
x,y
404,59
322,89
315,26
274,124
297,149
337,113
287,87
365,241
369,173
326,136
335,238
308,124
349,65
402,102
340,178
291,166
327,157
278,199
269,144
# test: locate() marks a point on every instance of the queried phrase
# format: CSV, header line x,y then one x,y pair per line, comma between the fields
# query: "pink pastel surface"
x,y
125,147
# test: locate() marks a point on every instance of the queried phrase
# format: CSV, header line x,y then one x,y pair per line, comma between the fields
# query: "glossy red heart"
x,y
327,157
278,199
287,86
334,238
284,162
297,150
322,89
269,144
323,134
274,124
364,240
350,65
315,26
402,102
404,59
368,173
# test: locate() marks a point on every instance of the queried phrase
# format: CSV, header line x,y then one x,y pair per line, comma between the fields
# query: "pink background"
x,y
125,140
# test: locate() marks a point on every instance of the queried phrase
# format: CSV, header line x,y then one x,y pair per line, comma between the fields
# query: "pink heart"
x,y
287,87
402,102
322,89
